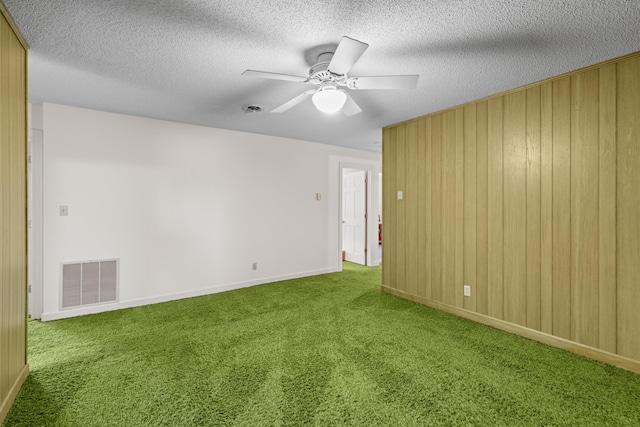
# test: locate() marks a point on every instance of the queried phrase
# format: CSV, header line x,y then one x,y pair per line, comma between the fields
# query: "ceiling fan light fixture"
x,y
329,67
329,100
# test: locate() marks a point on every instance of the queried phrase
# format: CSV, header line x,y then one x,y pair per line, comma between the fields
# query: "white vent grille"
x,y
90,282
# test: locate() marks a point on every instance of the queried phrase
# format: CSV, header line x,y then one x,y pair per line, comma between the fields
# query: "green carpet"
x,y
326,350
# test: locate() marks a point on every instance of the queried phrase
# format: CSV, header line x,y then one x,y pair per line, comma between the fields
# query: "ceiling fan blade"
x,y
295,101
347,53
350,107
275,76
384,82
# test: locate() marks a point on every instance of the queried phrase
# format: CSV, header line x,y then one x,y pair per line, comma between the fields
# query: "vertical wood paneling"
x,y
5,189
584,208
607,209
561,208
532,198
427,260
515,208
411,202
481,292
546,211
401,220
436,207
387,170
470,205
423,238
628,192
495,208
13,232
448,206
533,208
18,247
459,209
389,229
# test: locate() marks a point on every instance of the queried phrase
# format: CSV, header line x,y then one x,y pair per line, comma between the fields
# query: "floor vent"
x,y
89,282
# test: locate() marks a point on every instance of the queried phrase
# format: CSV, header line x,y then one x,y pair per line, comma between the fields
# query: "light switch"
x,y
400,195
64,210
318,196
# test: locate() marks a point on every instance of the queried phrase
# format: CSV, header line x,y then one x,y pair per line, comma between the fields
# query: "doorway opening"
x,y
359,214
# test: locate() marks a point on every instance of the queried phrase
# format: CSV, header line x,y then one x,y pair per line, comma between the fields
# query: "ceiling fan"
x,y
329,74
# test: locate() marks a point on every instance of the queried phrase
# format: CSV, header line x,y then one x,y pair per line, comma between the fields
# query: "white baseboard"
x,y
55,315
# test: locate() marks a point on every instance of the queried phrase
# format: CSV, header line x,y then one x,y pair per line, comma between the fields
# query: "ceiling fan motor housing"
x,y
319,73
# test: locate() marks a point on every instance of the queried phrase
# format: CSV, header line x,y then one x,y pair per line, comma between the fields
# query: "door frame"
x,y
371,239
34,221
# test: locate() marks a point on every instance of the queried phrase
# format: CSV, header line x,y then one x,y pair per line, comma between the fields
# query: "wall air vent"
x,y
89,283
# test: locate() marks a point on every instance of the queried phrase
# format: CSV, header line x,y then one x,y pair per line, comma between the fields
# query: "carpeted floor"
x,y
326,350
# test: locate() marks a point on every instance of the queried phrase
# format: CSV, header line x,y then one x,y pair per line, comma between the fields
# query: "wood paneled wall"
x,y
532,198
13,217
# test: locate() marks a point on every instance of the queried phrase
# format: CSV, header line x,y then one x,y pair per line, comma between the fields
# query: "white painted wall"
x,y
186,209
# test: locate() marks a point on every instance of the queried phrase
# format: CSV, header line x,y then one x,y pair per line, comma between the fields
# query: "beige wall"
x,y
532,198
13,188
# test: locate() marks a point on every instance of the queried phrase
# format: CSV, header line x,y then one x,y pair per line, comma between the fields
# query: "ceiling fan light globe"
x,y
329,101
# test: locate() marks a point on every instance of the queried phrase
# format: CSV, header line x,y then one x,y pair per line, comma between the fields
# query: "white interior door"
x,y
354,219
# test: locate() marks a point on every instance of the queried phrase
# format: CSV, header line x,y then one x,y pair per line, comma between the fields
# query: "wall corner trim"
x,y
13,25
573,347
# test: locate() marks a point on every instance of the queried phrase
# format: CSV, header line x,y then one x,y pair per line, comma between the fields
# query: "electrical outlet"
x,y
254,266
467,290
399,194
64,210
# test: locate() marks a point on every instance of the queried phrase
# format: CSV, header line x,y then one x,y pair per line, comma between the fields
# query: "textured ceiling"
x,y
181,60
